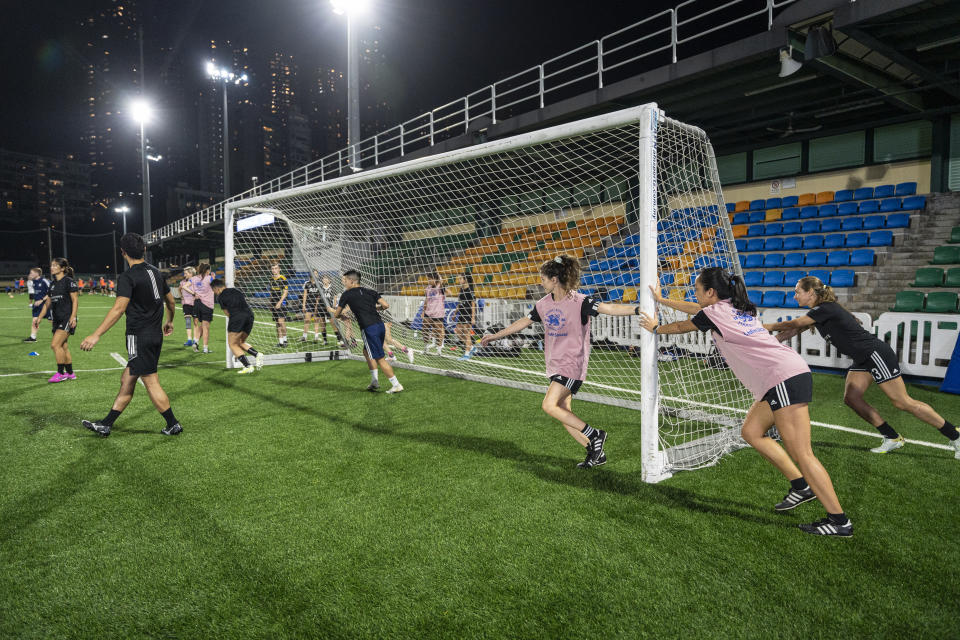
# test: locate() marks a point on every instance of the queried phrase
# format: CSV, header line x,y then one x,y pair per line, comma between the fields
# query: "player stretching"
x,y
142,293
239,325
565,314
187,297
278,296
778,378
364,303
40,288
873,361
61,301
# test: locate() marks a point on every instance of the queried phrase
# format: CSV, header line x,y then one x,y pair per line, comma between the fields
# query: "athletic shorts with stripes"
x,y
143,353
569,383
795,390
882,364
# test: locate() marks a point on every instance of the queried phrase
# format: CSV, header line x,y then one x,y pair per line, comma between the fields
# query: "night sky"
x,y
437,50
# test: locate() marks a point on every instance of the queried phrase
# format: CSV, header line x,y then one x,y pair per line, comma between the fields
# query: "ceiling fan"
x,y
790,130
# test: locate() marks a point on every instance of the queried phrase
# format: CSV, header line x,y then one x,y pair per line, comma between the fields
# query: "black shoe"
x,y
795,498
373,386
828,527
280,345
301,339
593,462
29,339
172,430
595,454
98,428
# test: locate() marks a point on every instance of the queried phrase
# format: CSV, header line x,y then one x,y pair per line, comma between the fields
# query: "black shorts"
x,y
240,323
188,310
882,364
463,316
202,312
143,353
569,383
277,314
795,390
63,325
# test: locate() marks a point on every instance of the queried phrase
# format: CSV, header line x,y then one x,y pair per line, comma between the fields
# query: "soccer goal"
x,y
633,195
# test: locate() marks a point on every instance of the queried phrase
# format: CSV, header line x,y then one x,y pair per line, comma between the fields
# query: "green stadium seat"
x,y
946,255
955,235
953,278
942,302
928,277
908,301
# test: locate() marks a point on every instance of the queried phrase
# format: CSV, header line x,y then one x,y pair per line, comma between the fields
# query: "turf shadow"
x,y
909,451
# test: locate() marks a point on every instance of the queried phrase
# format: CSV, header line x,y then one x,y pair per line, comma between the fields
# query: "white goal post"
x,y
633,195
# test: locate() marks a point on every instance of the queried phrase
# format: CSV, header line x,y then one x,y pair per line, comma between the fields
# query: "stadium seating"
x,y
898,221
822,274
741,244
792,243
863,193
873,222
852,224
941,302
955,235
816,259
755,297
838,258
754,261
755,244
810,226
813,242
793,260
791,213
773,260
756,230
743,205
790,278
890,204
884,191
946,254
913,203
881,239
869,206
809,212
790,300
774,228
742,217
792,228
830,224
806,199
758,205
862,258
827,210
842,278
843,195
753,278
833,241
928,277
731,207
773,278
859,239
773,203
906,189
847,208
824,196
772,299
908,301
789,201
953,278
773,244
757,216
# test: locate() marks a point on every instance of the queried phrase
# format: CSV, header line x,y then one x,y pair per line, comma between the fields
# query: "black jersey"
x,y
328,295
234,302
311,294
841,329
278,287
363,304
146,287
61,305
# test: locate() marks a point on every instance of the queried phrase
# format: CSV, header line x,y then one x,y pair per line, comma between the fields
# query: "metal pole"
x,y
353,94
113,235
49,246
145,168
226,145
124,223
63,208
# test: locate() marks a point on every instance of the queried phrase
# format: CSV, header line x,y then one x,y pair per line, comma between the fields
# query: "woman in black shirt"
x,y
466,313
62,300
873,361
239,325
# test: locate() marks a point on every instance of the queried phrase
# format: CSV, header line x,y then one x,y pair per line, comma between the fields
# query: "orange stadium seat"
x,y
806,198
742,205
824,197
773,215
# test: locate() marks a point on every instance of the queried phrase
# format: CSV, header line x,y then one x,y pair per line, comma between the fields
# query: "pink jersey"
x,y
185,295
202,287
566,342
435,302
757,358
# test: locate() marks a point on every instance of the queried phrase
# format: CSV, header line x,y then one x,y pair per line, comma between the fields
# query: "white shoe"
x,y
397,388
246,370
259,362
892,444
205,350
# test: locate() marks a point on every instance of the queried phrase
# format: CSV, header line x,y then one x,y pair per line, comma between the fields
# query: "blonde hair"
x,y
823,292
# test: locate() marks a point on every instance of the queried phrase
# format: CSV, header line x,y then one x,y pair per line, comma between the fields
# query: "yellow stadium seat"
x,y
824,197
681,278
739,230
773,215
806,198
629,295
742,205
677,294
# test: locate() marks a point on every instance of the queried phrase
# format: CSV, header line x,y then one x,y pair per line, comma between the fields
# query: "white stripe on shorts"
x,y
881,365
131,347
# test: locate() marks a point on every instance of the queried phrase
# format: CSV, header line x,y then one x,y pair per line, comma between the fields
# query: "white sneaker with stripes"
x,y
795,498
888,445
828,527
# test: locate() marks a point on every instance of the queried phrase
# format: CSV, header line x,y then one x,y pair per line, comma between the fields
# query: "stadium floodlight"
x,y
123,210
225,76
788,65
142,112
352,9
633,185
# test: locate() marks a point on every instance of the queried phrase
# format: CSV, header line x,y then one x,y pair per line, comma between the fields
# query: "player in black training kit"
x,y
61,301
278,296
239,325
142,293
313,309
873,361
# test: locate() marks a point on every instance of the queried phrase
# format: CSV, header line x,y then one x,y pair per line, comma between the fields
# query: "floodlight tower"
x,y
352,9
226,77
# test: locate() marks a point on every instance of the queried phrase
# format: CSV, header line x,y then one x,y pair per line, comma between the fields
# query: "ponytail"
x,y
822,291
565,269
728,287
64,266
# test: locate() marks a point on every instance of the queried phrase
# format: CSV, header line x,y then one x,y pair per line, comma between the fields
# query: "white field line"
x,y
119,358
164,366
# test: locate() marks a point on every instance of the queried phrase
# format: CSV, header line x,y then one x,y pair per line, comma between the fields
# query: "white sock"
x,y
394,381
316,336
33,334
304,334
375,375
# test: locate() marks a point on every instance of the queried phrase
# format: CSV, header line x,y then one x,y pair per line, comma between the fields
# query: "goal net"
x,y
633,195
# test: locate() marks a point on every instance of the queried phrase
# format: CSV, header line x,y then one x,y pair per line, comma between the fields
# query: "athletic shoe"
x,y
172,430
206,350
57,377
196,349
29,339
795,498
69,376
302,339
188,343
98,428
373,386
397,388
827,527
591,462
246,370
259,362
391,357
956,448
889,444
595,450
410,354
341,344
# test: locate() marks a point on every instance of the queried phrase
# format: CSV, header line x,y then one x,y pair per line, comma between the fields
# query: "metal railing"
x,y
654,41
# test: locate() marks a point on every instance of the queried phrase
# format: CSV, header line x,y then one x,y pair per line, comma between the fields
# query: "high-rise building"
x,y
376,101
328,110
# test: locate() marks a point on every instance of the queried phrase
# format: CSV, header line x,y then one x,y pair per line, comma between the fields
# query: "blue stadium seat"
x,y
905,189
833,241
790,278
852,224
774,228
816,259
830,224
704,262
810,226
631,279
890,204
590,292
898,221
838,258
848,208
792,243
755,244
772,299
671,249
666,279
881,238
665,225
741,218
869,206
813,242
757,216
872,222
741,244
791,213
635,239
793,260
790,228
754,261
773,203
861,258
756,230
743,260
753,278
884,191
863,193
827,210
857,239
755,296
757,205
773,260
595,265
772,278
633,251
790,300
616,252
609,279
614,294
841,278
809,212
731,207
790,201
844,195
773,244
914,203
588,279
822,274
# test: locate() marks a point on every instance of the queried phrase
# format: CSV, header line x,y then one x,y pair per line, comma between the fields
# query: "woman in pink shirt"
x,y
434,310
187,295
779,380
202,305
565,314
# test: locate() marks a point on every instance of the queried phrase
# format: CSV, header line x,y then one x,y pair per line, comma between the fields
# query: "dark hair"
x,y
728,287
202,269
65,266
216,283
352,274
133,245
469,278
434,274
565,269
822,291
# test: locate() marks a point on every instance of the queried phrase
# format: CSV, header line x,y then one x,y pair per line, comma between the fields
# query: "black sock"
x,y
111,417
68,367
887,431
168,416
799,484
838,518
588,431
252,352
244,361
949,430
60,368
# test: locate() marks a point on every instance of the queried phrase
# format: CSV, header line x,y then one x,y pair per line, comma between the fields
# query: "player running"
x,y
873,361
778,378
40,288
239,325
278,297
566,315
142,294
62,301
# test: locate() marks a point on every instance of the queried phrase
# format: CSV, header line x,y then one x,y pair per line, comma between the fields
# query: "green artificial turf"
x,y
297,505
